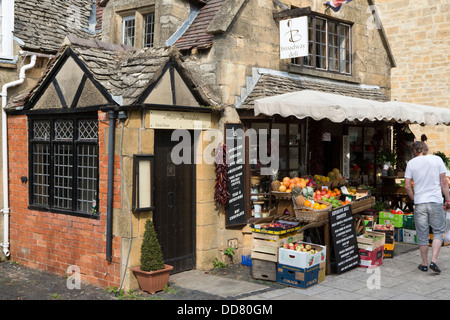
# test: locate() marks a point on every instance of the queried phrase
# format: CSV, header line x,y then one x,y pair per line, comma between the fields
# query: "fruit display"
x,y
276,226
300,247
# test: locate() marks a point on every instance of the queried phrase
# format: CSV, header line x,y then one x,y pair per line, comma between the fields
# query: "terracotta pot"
x,y
152,281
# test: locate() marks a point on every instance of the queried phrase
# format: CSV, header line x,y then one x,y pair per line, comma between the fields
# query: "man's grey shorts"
x,y
429,214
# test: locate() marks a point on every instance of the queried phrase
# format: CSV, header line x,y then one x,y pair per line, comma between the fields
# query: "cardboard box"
x,y
302,259
322,271
408,221
371,258
398,234
410,236
386,217
371,240
298,277
389,250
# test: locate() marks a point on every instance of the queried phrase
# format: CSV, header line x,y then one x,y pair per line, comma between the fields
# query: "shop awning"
x,y
338,108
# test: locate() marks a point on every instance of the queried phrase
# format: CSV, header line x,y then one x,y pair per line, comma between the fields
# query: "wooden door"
x,y
174,213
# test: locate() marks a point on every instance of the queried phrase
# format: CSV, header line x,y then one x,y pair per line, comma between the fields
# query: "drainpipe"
x,y
4,95
109,199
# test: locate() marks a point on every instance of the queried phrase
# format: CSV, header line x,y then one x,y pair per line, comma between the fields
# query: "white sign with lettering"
x,y
294,38
179,120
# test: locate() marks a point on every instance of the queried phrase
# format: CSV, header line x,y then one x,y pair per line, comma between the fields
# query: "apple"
x,y
323,192
308,247
298,248
301,246
312,251
304,250
286,246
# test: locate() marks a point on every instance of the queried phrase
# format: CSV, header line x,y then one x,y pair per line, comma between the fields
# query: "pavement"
x,y
397,279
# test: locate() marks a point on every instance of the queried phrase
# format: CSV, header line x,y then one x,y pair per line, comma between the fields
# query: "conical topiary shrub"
x,y
151,254
153,274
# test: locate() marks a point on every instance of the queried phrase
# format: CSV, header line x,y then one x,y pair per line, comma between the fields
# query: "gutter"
x,y
4,96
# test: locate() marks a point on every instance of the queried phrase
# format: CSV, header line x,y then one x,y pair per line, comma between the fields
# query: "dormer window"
x,y
137,28
329,46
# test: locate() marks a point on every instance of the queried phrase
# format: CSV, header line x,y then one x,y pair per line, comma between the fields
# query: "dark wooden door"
x,y
174,214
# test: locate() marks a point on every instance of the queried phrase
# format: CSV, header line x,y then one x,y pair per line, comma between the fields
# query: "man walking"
x,y
429,175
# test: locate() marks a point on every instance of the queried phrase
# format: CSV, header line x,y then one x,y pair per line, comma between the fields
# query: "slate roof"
x,y
271,84
43,24
196,35
123,71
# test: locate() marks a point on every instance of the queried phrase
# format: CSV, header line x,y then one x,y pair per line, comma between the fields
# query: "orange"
x,y
302,183
282,188
286,182
316,205
291,186
307,203
323,206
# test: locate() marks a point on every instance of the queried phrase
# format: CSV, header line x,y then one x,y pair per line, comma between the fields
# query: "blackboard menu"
x,y
343,236
234,140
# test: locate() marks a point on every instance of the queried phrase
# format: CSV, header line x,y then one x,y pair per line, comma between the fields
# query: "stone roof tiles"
x,y
270,85
43,24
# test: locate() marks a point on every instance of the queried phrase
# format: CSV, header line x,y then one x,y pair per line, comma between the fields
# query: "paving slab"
x,y
224,287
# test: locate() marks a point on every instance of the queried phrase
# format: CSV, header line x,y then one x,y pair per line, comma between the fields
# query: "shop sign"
x,y
235,210
160,119
343,236
294,38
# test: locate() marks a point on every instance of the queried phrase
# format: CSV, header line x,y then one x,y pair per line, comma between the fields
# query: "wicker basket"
x,y
308,214
282,195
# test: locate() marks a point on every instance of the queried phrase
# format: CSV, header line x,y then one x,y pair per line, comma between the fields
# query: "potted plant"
x,y
153,274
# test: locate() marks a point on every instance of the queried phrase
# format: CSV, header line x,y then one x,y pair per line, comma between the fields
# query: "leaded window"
x,y
329,46
64,165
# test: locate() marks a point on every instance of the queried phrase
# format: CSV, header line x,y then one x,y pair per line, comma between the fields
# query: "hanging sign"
x,y
343,236
294,38
235,209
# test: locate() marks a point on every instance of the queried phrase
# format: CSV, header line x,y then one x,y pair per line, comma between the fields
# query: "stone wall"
x,y
252,40
419,34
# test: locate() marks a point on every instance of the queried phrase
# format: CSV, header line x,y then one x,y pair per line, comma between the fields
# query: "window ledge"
x,y
9,63
323,74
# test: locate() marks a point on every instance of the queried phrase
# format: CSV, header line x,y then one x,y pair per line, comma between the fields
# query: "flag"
x,y
335,5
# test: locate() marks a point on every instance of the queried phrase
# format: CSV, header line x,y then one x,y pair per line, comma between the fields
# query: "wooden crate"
x,y
361,205
367,241
265,246
264,270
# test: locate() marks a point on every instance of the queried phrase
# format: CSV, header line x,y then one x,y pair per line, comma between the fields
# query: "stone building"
x,y
418,32
158,66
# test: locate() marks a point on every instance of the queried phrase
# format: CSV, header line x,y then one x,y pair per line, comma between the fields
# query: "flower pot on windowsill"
x,y
152,281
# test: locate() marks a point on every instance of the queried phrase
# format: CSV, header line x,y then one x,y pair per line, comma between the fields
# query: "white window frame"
x,y
124,20
7,27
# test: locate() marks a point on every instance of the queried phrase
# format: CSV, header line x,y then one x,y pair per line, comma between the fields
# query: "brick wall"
x,y
53,242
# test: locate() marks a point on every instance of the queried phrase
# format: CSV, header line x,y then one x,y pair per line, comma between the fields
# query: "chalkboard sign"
x,y
343,236
234,140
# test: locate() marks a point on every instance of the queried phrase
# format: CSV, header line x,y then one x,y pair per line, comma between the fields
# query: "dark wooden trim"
x,y
59,93
80,88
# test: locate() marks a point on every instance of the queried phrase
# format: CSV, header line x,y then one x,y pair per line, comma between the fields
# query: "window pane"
x,y
321,44
41,130
41,158
128,25
88,130
87,177
63,164
344,47
333,46
282,132
64,130
149,24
